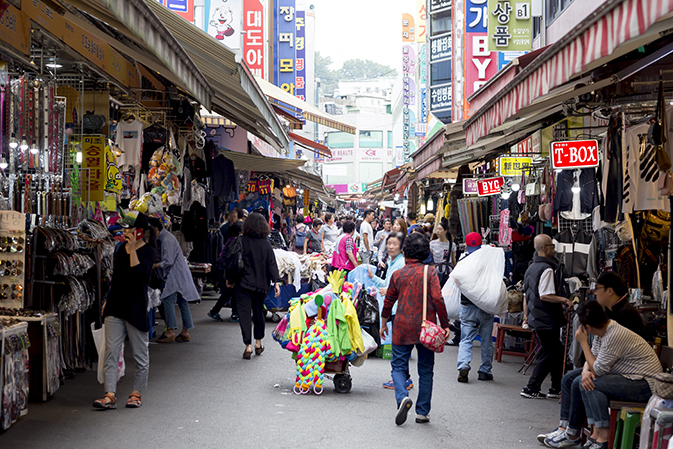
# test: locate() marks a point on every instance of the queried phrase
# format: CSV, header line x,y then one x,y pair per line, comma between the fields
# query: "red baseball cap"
x,y
473,239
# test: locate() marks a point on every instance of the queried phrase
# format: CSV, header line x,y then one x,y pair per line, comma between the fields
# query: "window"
x,y
390,139
371,139
536,27
441,72
555,8
339,139
441,23
338,173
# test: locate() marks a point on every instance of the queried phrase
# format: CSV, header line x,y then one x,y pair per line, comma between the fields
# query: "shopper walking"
x,y
125,311
473,322
406,289
345,254
330,234
226,293
260,270
380,239
232,218
179,287
443,251
367,235
299,234
313,240
545,317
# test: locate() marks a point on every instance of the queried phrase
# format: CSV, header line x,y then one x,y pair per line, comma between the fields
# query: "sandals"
x,y
108,402
166,339
247,354
134,401
182,338
258,351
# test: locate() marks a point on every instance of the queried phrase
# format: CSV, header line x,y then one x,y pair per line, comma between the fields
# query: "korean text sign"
x,y
285,44
509,25
254,50
93,158
490,186
299,40
514,166
480,63
574,154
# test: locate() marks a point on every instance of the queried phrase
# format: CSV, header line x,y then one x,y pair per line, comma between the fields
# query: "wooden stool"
x,y
501,330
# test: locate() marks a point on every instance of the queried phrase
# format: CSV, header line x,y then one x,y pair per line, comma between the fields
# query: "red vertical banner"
x,y
253,39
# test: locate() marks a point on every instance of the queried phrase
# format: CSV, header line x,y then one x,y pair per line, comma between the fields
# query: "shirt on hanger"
x,y
130,140
643,172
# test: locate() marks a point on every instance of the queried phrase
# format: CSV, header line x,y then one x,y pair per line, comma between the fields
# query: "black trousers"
x,y
226,294
249,301
549,360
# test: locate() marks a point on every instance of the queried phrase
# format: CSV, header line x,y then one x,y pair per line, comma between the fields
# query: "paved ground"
x,y
203,395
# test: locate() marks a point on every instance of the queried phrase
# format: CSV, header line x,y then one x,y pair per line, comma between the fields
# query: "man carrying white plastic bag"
x,y
478,275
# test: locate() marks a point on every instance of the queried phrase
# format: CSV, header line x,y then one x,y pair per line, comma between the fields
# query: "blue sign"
x,y
424,105
177,5
285,45
505,57
300,80
476,16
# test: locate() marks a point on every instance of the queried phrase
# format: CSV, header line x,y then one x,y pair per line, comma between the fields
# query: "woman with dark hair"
x,y
399,225
345,253
299,234
125,311
251,290
406,289
443,251
330,234
313,241
226,293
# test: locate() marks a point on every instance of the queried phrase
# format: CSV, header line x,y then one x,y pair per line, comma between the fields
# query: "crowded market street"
x,y
202,395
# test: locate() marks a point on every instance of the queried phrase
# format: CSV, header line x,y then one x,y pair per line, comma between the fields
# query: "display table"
x,y
501,330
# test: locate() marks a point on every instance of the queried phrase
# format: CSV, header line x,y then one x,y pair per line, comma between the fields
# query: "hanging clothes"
x,y
154,137
579,204
614,181
223,176
130,141
573,250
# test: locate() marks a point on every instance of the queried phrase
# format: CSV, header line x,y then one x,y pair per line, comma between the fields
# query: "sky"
x,y
364,29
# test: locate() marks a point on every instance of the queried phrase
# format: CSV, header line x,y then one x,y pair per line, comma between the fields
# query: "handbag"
x,y
432,336
658,132
663,385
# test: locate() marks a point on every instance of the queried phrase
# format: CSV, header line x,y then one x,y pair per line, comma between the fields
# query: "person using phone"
x,y
125,311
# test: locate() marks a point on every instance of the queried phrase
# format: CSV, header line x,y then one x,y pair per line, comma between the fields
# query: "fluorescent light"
x,y
452,180
53,65
78,158
431,204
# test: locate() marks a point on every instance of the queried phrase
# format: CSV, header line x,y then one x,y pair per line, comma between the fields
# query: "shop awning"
x,y
237,96
139,19
428,150
613,29
311,145
313,182
252,162
309,112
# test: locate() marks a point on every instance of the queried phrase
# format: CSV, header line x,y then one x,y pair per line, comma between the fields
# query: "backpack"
x,y
299,237
235,265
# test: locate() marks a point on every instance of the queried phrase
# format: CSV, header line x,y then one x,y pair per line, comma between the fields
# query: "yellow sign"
x,y
514,166
15,29
86,44
93,158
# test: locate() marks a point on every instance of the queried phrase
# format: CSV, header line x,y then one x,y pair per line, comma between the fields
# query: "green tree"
x,y
352,69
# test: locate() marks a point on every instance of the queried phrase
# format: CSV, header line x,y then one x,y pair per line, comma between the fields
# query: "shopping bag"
x,y
432,336
479,277
451,294
99,341
370,343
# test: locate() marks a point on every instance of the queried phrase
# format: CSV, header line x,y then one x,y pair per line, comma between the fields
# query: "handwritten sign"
x,y
12,221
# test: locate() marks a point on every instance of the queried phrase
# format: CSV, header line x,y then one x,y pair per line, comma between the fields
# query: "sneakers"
x,y
597,445
485,376
215,316
561,440
403,410
233,319
544,436
422,419
588,443
530,394
462,375
391,386
553,393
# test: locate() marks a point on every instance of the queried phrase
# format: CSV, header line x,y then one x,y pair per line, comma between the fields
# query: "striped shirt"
x,y
621,351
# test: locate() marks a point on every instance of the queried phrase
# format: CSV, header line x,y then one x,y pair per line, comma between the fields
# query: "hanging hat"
x,y
134,219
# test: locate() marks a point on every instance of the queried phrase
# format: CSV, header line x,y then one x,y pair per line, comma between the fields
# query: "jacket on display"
x,y
223,176
563,201
542,315
573,251
614,183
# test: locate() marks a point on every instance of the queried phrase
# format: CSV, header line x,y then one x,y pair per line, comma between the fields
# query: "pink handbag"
x,y
432,336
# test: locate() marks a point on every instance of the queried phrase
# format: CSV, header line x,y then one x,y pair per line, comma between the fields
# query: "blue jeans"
x,y
169,312
475,321
400,365
594,404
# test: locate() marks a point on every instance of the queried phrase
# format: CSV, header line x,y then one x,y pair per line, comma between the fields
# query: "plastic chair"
x,y
625,432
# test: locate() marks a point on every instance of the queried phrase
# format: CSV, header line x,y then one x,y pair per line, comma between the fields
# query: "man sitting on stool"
x,y
619,366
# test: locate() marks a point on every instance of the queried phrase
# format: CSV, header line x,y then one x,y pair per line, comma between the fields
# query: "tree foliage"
x,y
352,69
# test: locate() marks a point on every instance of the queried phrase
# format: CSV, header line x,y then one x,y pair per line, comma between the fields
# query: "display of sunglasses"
x,y
12,249
13,263
17,287
17,296
11,240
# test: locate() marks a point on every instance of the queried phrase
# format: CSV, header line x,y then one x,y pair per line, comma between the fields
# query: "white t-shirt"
x,y
367,233
442,250
331,234
547,286
130,140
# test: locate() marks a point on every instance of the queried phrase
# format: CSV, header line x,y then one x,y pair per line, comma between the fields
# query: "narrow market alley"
x,y
203,395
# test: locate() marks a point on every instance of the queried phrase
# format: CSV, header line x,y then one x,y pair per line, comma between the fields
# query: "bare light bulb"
x,y
576,189
78,158
515,187
3,164
505,195
33,148
24,145
13,143
431,204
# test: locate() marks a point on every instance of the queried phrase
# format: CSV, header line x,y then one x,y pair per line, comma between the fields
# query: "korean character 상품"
x,y
502,13
501,36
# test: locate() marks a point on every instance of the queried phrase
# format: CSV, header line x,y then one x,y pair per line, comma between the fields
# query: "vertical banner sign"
x,y
408,98
285,45
480,63
509,25
223,21
420,21
423,103
93,158
254,48
457,64
408,28
300,37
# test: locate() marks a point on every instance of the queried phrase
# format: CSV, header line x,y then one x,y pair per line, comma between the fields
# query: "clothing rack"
x,y
474,214
585,225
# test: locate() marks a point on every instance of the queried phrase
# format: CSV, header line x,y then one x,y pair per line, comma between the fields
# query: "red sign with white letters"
x,y
574,154
254,50
490,186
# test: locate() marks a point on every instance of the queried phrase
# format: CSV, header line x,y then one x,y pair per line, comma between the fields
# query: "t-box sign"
x,y
574,154
490,186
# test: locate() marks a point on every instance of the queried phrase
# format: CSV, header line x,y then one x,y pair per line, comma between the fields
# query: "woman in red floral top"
x,y
406,287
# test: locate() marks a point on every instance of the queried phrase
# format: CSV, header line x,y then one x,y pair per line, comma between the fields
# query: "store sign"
x,y
408,28
254,48
480,63
93,158
15,29
223,21
300,61
440,47
421,16
514,166
436,5
574,154
285,45
510,25
490,186
183,8
357,188
470,186
408,97
529,145
440,98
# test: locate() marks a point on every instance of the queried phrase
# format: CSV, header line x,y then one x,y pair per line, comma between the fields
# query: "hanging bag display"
x,y
432,337
657,135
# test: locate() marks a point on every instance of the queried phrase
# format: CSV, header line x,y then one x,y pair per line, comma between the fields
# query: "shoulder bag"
x,y
432,336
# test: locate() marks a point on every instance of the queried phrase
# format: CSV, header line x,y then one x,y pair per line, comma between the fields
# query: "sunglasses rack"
x,y
12,259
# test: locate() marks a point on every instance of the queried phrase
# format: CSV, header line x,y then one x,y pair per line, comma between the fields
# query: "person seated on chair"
x,y
620,366
613,294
